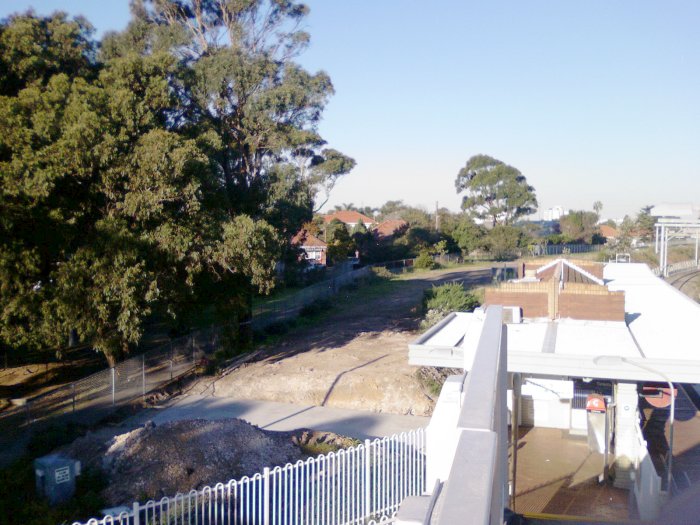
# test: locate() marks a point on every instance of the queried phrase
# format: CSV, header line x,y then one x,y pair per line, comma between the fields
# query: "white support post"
x,y
266,496
113,386
665,236
136,512
656,239
626,423
368,476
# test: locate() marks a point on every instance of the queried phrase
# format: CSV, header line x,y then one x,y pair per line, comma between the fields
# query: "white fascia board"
x,y
555,365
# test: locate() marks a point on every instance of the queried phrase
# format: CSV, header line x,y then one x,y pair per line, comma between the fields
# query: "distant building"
x,y
683,211
315,250
390,228
350,219
609,233
553,214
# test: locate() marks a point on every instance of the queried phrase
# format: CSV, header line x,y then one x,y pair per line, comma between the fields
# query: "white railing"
x,y
361,485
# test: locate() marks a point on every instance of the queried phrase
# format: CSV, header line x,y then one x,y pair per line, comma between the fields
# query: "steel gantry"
x,y
668,229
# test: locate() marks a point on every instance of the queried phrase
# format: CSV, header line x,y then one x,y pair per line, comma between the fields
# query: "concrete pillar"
x,y
626,422
442,433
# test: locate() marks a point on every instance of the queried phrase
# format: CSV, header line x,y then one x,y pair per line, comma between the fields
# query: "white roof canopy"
x,y
660,341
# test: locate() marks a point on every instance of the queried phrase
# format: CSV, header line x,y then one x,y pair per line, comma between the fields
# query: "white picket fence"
x,y
360,485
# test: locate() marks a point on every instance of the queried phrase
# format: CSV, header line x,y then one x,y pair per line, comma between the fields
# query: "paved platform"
x,y
558,475
271,415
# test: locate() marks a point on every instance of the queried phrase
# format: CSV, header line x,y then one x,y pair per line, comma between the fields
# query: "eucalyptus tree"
x,y
495,192
163,169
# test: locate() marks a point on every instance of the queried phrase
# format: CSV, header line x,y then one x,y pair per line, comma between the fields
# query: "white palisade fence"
x,y
362,485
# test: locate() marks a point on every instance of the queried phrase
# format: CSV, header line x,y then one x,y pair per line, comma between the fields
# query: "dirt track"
x,y
356,358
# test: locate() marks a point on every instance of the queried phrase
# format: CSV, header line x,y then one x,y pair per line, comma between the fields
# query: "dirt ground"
x,y
356,358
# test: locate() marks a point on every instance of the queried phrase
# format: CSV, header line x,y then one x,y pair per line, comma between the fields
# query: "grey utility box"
x,y
55,477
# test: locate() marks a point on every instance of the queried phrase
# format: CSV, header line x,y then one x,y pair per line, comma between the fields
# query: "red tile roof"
x,y
304,238
390,227
608,231
348,217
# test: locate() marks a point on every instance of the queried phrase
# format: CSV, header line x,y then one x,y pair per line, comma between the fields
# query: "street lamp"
x,y
616,359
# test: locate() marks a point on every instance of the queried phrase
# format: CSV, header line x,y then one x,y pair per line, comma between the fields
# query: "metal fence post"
x,y
266,496
73,395
194,359
143,375
368,476
136,511
170,353
113,387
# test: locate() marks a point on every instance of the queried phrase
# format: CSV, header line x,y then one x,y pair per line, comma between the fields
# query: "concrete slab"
x,y
271,415
558,475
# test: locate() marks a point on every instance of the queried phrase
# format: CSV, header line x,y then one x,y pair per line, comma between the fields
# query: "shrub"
x,y
425,261
449,297
381,273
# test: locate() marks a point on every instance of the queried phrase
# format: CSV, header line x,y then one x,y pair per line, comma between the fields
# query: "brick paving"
x,y
557,474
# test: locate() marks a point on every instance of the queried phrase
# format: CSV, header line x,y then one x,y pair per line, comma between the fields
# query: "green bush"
x,y
425,261
381,273
449,297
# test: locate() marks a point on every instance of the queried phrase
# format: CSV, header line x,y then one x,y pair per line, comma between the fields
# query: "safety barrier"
x,y
362,485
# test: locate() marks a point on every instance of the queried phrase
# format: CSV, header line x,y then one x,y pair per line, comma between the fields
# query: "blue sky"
x,y
592,100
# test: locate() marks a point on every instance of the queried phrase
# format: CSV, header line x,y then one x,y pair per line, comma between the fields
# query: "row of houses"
x,y
315,249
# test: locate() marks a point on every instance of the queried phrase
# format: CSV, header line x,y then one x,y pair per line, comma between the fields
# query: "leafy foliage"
x,y
439,301
160,171
425,261
495,192
579,226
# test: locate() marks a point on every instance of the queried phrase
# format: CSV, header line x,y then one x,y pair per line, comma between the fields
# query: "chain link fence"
x,y
280,310
92,398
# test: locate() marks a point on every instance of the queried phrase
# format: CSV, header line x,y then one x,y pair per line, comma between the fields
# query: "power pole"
x,y
437,217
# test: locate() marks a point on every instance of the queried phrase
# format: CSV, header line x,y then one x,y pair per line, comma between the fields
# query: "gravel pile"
x,y
156,461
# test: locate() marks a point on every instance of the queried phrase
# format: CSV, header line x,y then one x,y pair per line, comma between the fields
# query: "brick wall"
x,y
594,303
533,302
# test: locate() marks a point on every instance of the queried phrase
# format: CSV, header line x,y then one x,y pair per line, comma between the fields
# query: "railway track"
x,y
682,279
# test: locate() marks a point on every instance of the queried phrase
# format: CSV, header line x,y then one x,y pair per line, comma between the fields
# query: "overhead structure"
x,y
667,229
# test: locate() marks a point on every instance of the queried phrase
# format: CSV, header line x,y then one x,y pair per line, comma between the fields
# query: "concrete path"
x,y
271,415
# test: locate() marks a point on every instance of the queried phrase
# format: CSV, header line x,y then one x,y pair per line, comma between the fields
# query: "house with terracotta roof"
x,y
610,233
350,219
390,228
315,250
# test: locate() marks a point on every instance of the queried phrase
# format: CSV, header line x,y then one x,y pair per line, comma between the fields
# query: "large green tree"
x,y
495,192
162,171
579,226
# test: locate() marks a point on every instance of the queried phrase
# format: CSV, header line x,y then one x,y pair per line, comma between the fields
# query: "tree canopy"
x,y
495,192
579,226
161,170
